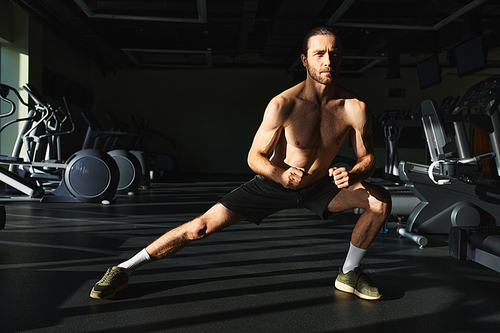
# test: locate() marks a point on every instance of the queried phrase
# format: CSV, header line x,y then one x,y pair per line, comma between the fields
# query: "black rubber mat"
x,y
276,277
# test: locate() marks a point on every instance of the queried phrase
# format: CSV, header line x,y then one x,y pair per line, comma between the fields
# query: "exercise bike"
x,y
453,190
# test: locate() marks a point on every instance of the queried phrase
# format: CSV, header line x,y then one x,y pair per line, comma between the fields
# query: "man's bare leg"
x,y
215,219
376,203
116,278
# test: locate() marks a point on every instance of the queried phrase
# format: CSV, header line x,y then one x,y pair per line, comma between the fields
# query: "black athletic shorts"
x,y
260,197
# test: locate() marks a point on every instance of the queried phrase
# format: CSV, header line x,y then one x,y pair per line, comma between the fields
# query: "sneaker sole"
x,y
348,289
120,288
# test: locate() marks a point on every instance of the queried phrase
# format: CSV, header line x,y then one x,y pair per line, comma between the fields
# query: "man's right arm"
x,y
265,141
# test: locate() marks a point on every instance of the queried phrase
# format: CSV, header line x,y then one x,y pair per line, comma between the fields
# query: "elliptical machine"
x,y
88,175
453,190
117,125
393,122
128,164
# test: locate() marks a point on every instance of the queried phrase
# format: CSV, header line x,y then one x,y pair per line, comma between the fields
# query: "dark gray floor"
x,y
276,277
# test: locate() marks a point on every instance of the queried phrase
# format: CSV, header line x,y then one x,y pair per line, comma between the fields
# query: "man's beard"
x,y
316,76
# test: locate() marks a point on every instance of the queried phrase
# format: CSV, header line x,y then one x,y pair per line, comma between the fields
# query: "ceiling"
x,y
125,34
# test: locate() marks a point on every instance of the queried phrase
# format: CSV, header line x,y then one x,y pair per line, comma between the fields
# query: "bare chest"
x,y
313,129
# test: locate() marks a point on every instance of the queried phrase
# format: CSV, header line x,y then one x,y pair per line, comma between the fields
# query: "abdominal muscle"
x,y
315,163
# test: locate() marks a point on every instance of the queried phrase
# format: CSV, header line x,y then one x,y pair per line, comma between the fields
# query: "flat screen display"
x,y
470,56
429,72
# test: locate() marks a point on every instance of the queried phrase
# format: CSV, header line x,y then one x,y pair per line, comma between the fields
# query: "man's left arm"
x,y
363,148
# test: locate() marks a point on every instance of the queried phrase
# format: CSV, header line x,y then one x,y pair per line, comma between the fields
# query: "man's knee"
x,y
381,202
197,228
215,219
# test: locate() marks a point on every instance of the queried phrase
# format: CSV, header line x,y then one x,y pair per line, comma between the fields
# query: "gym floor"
x,y
276,277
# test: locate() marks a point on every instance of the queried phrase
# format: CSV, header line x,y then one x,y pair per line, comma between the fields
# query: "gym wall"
x,y
212,115
58,70
13,64
373,88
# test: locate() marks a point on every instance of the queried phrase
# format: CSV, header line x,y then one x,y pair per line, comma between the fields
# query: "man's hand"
x,y
292,177
340,176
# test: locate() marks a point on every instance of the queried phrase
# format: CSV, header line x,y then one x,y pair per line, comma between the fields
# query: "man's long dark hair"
x,y
319,31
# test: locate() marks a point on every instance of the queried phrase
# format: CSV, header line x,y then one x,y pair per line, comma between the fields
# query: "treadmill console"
x,y
481,95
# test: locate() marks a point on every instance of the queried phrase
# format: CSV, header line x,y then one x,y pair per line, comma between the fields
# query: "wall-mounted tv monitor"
x,y
429,72
470,56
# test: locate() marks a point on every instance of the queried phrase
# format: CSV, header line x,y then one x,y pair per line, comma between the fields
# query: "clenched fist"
x,y
340,176
292,177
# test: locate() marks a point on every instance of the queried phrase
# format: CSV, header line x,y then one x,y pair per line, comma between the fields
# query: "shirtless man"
x,y
303,128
